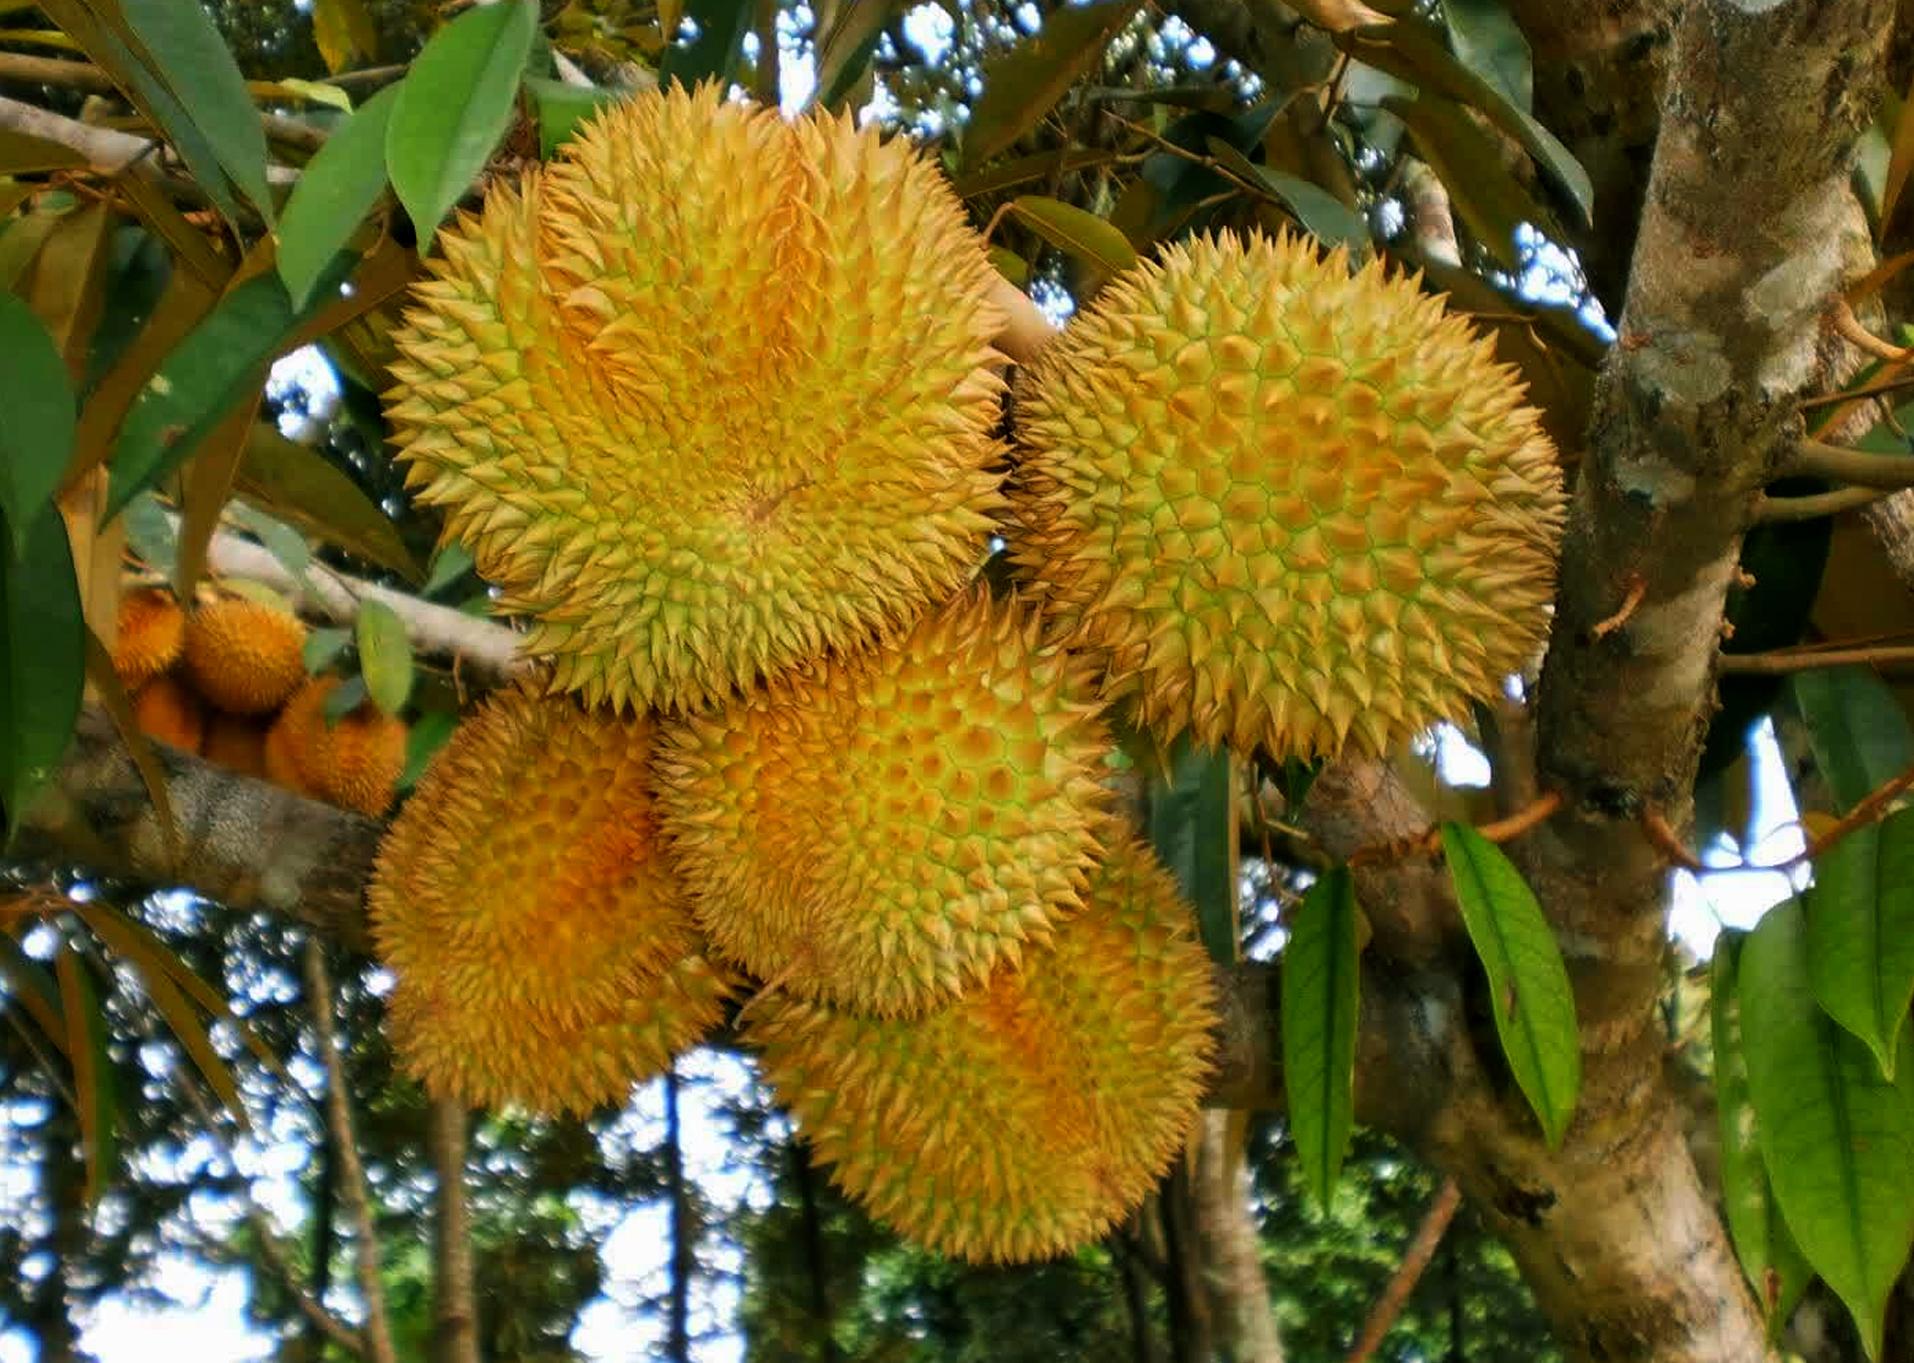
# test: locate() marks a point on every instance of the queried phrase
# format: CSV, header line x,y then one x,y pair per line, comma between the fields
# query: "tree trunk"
x,y
1244,1328
819,1271
63,1182
1192,1338
683,1261
455,1304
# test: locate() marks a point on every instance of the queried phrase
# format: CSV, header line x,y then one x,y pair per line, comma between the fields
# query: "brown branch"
x,y
1429,841
1856,468
1768,510
352,1174
1843,322
483,648
1409,1272
1871,809
455,1298
1782,661
270,1250
1631,600
1663,837
106,151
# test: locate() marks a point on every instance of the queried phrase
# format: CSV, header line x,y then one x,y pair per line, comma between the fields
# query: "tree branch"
x,y
1409,1272
480,646
1857,468
455,1300
352,1174
1768,510
107,151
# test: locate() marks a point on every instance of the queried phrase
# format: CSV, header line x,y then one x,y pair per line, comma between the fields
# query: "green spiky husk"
x,y
543,947
711,395
1027,1118
1293,507
880,831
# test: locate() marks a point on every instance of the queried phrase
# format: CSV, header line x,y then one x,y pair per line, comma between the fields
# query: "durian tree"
x,y
888,684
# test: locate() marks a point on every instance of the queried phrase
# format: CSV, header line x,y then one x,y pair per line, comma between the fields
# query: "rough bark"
x,y
1240,1316
455,1296
353,1189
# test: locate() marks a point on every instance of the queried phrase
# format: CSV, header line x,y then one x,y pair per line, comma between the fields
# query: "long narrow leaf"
x,y
92,1069
1528,983
119,707
35,990
1319,1028
1860,916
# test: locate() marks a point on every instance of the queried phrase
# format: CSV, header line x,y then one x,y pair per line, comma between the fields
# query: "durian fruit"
x,y
235,742
354,762
545,951
244,656
167,710
149,636
880,831
710,396
1029,1116
1296,508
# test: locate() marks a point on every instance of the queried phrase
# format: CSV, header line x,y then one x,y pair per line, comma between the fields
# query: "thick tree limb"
x,y
481,647
1857,468
454,1295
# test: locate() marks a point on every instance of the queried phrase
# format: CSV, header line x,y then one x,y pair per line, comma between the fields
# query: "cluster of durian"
x,y
713,399
228,682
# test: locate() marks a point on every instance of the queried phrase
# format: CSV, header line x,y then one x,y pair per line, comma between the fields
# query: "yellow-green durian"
x,y
880,831
1295,507
711,394
544,950
1025,1119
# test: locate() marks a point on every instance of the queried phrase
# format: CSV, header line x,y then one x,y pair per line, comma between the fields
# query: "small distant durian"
x,y
354,761
150,634
235,742
244,656
170,712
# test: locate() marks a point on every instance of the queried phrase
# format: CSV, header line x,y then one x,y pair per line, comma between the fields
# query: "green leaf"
x,y
1319,995
92,1069
221,362
297,485
323,647
111,693
1774,1263
38,421
150,532
1324,216
1025,83
422,743
343,699
1837,1137
42,661
1298,777
714,54
385,655
1084,235
285,544
449,564
1408,51
561,108
336,190
24,154
194,62
1486,195
1528,984
454,106
1487,40
1193,829
1856,728
1010,265
21,239
847,49
150,94
1860,915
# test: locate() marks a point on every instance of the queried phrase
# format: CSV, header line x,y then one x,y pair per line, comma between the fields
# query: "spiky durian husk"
x,y
1025,1119
1296,508
523,902
522,1054
168,710
710,397
354,761
150,633
880,831
245,656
